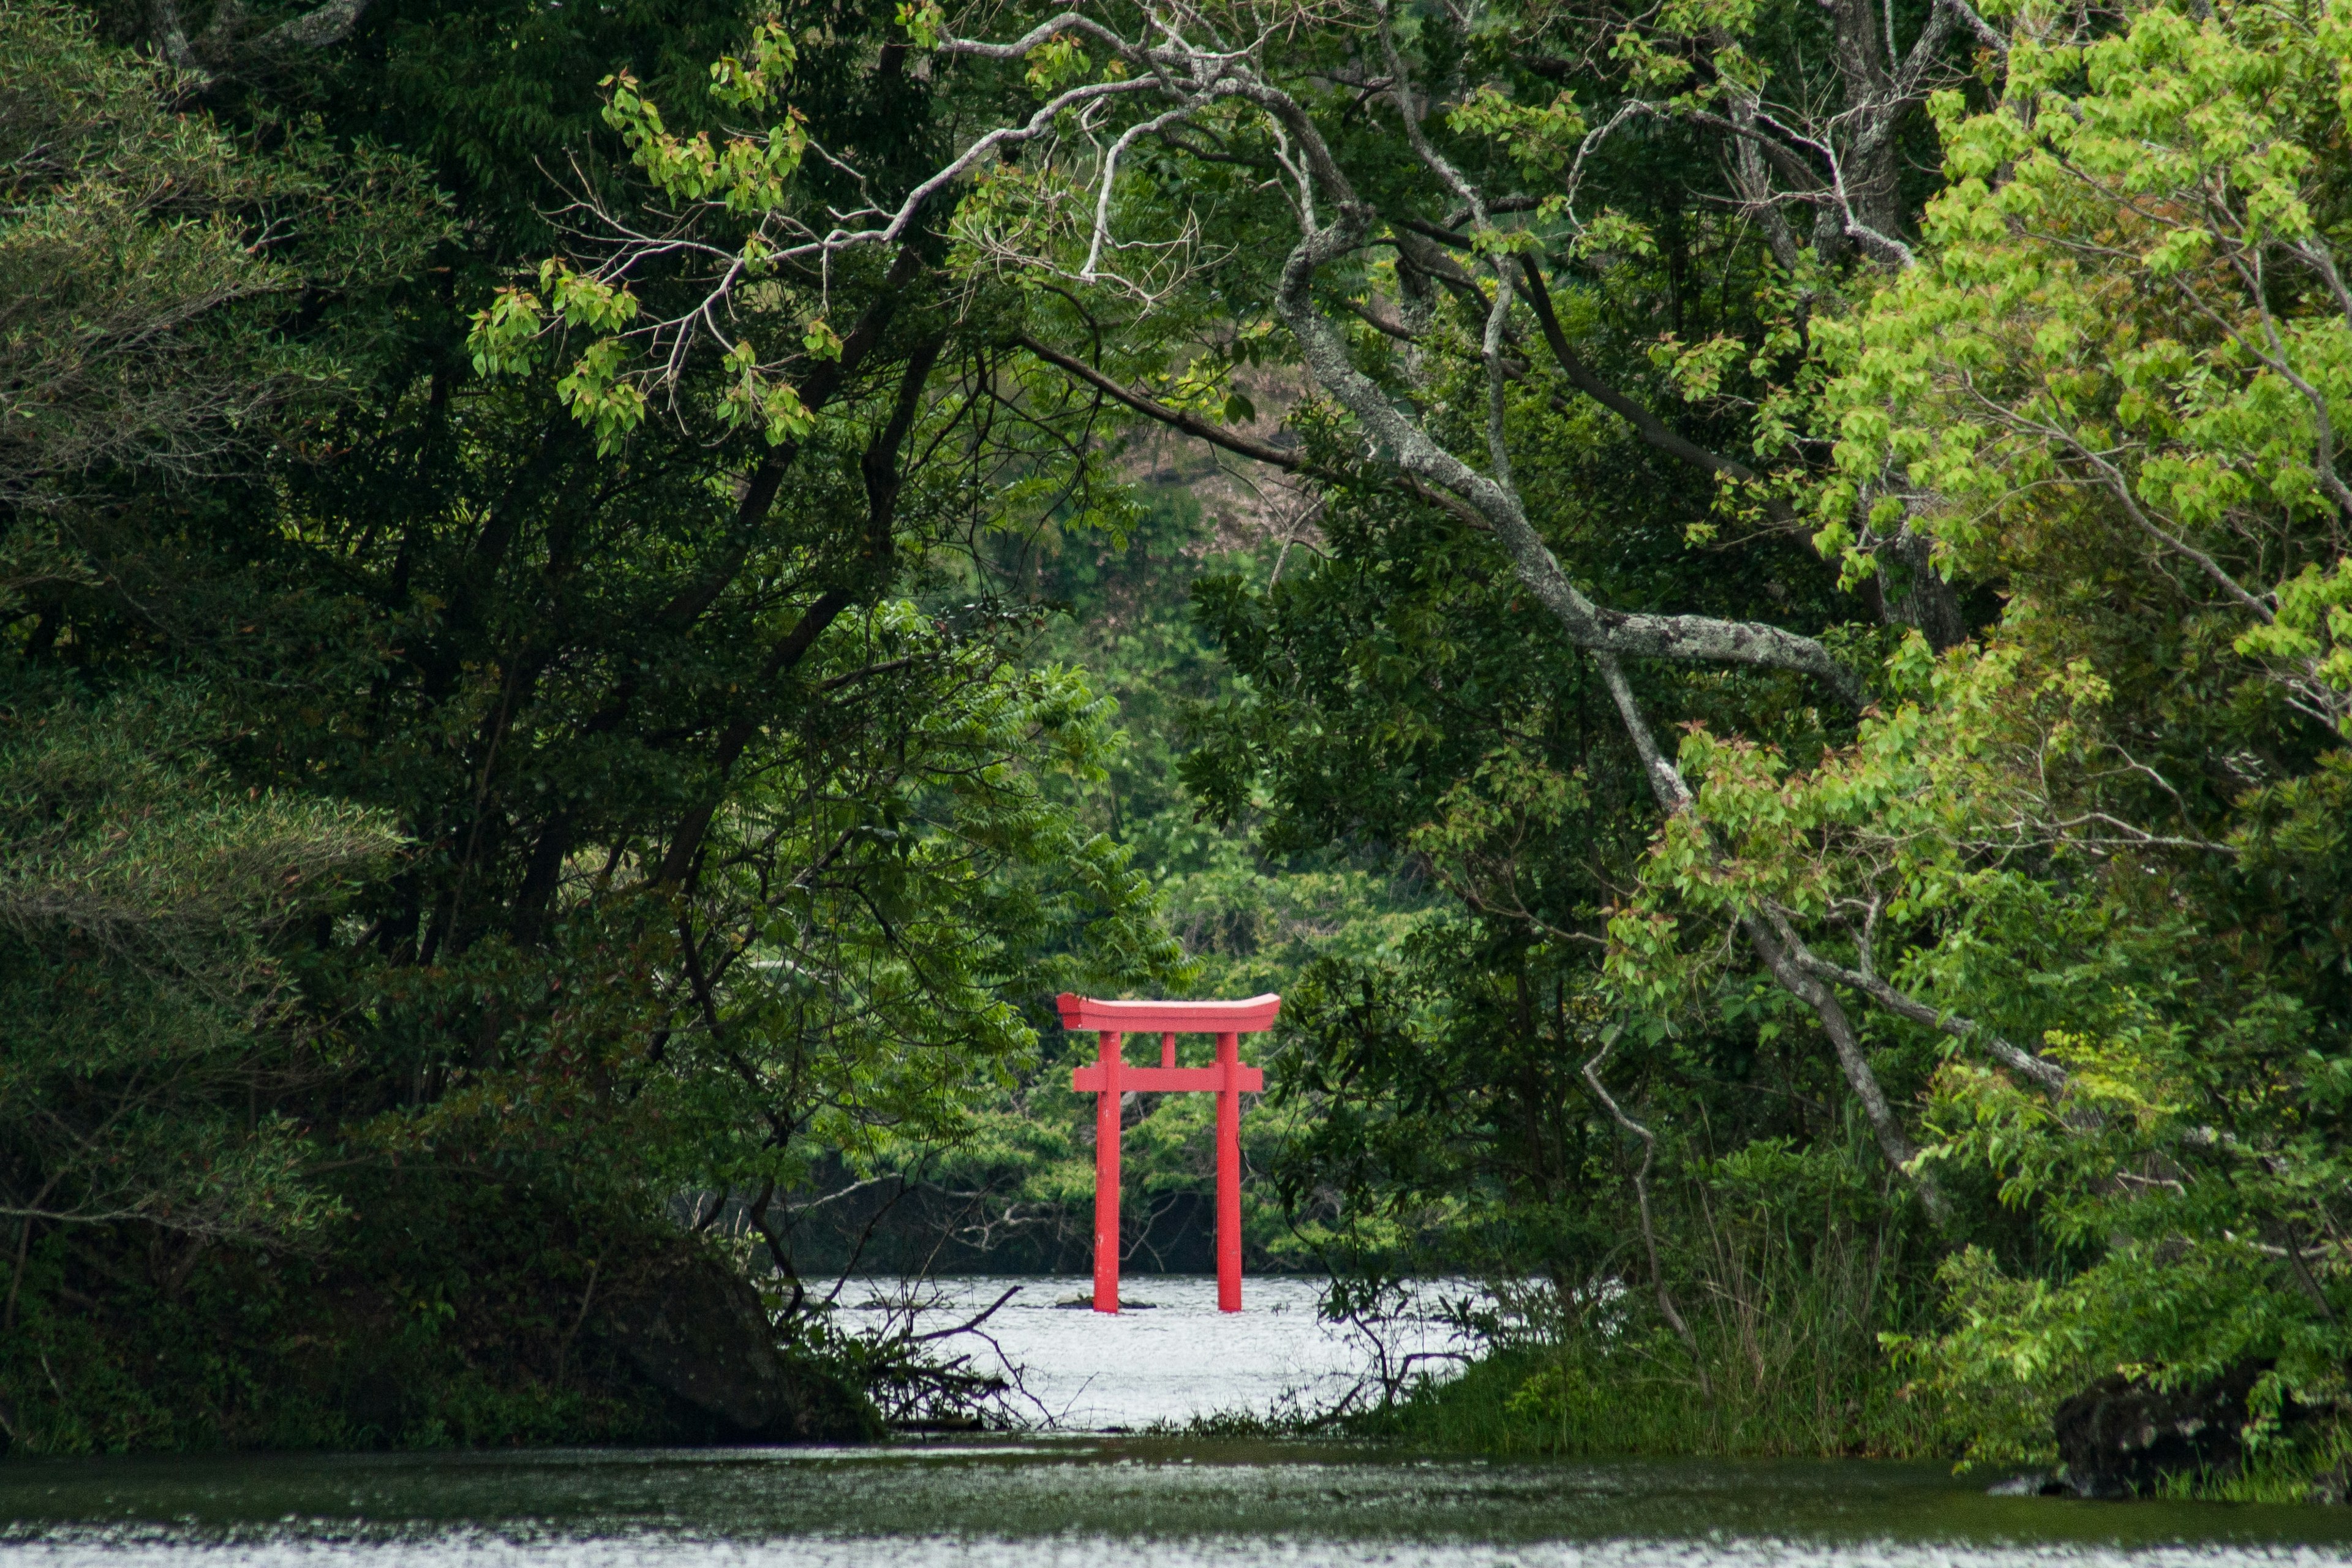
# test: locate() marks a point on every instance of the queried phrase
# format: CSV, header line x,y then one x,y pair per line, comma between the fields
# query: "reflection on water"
x,y
1153,1502
1179,1358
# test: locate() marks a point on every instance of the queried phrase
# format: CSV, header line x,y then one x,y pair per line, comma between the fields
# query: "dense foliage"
x,y
438,843
1745,606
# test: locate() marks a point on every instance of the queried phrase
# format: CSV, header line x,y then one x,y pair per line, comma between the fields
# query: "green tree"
x,y
2112,833
150,1010
153,262
2018,874
726,850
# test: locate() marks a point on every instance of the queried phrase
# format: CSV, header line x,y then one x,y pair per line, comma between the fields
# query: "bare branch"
x,y
1641,1200
2040,1069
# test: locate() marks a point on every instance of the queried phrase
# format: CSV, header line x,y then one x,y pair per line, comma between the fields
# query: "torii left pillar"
x,y
1110,1077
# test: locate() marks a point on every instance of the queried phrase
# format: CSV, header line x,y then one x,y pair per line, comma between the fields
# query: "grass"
x,y
1784,1358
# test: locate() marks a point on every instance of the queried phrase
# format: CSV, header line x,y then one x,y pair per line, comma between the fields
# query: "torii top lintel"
x,y
1246,1018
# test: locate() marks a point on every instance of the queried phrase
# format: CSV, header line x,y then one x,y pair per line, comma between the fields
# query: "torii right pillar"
x,y
1110,1077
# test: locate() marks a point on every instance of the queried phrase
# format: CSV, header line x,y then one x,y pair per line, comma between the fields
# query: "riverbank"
x,y
1645,1404
1643,1400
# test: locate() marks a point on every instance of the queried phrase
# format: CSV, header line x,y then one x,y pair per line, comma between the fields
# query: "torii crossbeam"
x,y
1110,1077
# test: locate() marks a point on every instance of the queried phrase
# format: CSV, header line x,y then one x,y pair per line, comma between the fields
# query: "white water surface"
x,y
1173,1358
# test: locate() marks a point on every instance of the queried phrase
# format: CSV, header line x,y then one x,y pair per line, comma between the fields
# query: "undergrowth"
x,y
1576,1398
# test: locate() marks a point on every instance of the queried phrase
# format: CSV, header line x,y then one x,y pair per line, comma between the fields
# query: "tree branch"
x,y
1645,423
1235,441
2040,1069
1649,1230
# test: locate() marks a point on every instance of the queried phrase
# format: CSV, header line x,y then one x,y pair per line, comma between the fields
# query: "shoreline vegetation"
x,y
1747,608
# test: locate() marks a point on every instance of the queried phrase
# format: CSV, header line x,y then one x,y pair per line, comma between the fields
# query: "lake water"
x,y
1059,1499
1175,1359
1153,1502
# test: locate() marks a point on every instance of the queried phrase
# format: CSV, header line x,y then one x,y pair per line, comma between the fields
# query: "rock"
x,y
698,1331
2123,1436
1087,1303
2033,1483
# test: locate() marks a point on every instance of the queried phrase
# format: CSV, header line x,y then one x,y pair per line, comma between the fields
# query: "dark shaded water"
x,y
1092,1501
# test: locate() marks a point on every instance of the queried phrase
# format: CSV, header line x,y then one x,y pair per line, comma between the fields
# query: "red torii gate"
x,y
1110,1077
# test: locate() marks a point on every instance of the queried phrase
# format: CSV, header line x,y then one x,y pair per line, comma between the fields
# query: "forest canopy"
x,y
1745,606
